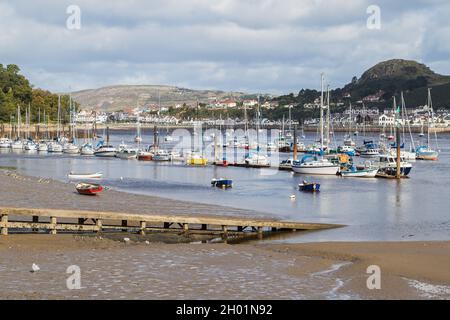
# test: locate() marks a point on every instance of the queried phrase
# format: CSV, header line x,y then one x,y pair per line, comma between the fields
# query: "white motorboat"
x,y
80,176
105,151
161,155
387,165
127,154
286,164
360,173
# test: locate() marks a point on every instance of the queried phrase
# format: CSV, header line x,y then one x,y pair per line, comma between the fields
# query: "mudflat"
x,y
117,269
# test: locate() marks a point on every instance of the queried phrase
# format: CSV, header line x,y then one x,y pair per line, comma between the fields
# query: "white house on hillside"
x,y
386,120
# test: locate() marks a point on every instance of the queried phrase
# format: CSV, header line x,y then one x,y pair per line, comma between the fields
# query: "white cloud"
x,y
254,45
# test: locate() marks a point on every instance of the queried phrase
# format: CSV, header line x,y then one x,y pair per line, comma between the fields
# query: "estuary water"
x,y
412,209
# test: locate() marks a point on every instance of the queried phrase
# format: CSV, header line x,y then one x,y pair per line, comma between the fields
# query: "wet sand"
x,y
136,270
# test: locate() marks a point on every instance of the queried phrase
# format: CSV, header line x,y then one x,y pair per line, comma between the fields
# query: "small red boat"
x,y
89,189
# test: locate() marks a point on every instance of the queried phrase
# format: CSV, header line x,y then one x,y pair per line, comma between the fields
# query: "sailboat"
x,y
18,144
257,159
311,164
411,154
105,150
425,152
71,147
347,138
138,138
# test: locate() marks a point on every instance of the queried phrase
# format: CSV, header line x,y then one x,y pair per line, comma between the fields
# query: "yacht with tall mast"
x,y
312,164
425,152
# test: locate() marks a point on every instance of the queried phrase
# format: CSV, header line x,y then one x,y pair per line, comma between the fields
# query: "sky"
x,y
255,46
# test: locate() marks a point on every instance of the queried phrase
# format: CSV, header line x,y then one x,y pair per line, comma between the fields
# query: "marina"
x,y
258,189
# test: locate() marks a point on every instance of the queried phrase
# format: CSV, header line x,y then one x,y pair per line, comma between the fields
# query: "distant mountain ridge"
x,y
118,97
387,78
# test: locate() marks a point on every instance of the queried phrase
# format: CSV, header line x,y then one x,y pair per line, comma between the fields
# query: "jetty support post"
x,y
35,220
53,225
143,225
124,224
4,228
99,225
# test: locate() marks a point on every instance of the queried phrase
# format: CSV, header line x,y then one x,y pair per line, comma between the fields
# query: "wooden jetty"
x,y
54,220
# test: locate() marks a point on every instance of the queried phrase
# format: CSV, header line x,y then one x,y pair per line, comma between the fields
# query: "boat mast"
x,y
430,107
413,146
328,136
18,122
321,112
59,116
257,133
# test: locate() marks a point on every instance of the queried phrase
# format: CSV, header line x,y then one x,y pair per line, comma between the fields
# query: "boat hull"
x,y
360,173
105,154
145,157
89,189
431,155
309,187
392,172
316,170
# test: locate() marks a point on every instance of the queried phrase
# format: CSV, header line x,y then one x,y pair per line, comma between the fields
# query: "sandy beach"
x,y
113,269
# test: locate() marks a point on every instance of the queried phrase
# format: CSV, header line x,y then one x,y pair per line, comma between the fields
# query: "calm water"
x,y
374,209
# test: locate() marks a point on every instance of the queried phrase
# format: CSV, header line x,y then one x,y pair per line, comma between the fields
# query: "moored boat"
x,y
388,166
309,186
426,153
105,151
222,183
54,147
286,165
5,143
196,159
89,189
73,175
312,165
70,148
353,172
127,153
161,155
144,156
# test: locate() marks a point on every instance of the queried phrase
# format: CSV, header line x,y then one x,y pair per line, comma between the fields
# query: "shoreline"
x,y
65,129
